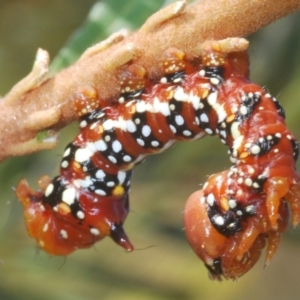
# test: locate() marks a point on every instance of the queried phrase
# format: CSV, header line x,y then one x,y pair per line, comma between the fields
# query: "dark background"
x,y
169,269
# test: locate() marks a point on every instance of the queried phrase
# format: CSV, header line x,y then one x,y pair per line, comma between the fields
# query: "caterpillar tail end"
x,y
119,236
38,222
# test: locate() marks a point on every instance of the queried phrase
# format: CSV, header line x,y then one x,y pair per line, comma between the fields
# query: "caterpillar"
x,y
236,214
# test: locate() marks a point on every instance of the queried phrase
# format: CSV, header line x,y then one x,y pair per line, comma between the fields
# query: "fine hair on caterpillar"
x,y
238,212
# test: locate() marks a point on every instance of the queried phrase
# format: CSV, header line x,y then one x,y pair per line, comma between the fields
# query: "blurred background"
x,y
163,266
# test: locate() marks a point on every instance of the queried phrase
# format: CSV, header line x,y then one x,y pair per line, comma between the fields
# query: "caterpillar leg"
x,y
275,189
293,198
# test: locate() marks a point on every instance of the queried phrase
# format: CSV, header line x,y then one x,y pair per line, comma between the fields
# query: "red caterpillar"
x,y
229,222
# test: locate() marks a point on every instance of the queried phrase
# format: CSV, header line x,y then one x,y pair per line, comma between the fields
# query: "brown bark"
x,y
49,105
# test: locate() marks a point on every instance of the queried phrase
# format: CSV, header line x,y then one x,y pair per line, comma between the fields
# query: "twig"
x,y
31,108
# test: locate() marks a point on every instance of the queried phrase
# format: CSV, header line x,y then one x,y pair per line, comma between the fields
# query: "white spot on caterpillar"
x,y
201,73
243,110
195,100
126,158
63,233
237,143
116,146
93,126
130,103
240,180
109,124
250,209
172,107
45,227
248,181
210,199
146,130
155,143
161,107
173,128
83,182
92,147
164,108
100,174
100,145
255,185
204,118
232,159
49,190
212,99
180,95
221,112
64,164
130,126
121,177
219,220
94,231
83,124
223,134
278,135
208,131
232,203
187,133
251,170
122,124
69,196
80,214
179,120
82,155
140,142
255,149
140,106
67,152
163,80
214,81
100,192
112,159
235,132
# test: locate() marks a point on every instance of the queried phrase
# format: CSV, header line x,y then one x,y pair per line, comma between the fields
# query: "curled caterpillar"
x,y
238,211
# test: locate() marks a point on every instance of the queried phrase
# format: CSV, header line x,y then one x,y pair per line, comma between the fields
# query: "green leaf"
x,y
105,18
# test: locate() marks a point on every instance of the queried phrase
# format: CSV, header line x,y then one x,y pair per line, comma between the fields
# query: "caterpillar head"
x,y
232,255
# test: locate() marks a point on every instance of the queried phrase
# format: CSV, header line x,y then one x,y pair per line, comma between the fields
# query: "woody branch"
x,y
38,103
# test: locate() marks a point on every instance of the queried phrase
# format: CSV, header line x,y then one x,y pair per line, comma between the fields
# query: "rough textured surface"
x,y
204,20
